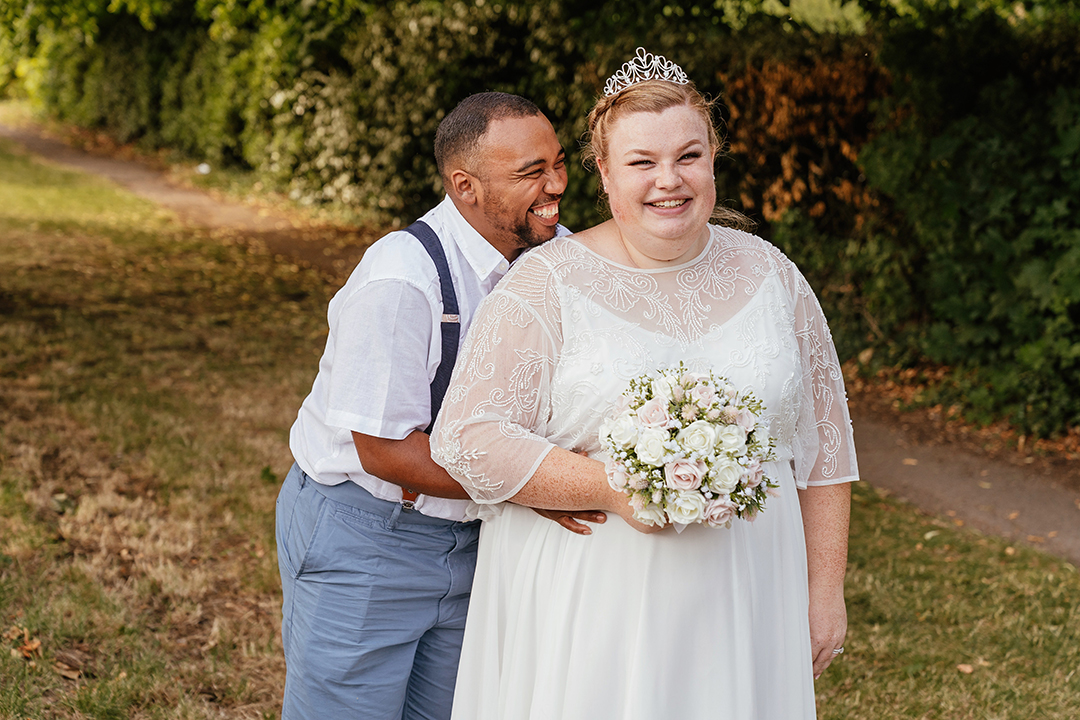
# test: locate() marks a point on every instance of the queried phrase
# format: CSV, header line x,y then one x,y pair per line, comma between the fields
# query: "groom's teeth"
x,y
668,203
547,211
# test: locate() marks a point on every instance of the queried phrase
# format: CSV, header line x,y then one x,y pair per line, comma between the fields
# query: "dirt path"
x,y
1024,498
330,249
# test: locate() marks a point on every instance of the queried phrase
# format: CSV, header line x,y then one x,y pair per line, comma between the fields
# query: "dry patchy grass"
x,y
148,377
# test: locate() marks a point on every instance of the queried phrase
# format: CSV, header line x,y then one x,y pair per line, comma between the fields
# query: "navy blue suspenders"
x,y
451,320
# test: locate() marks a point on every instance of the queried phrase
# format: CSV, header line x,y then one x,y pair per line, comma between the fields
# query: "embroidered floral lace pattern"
x,y
558,340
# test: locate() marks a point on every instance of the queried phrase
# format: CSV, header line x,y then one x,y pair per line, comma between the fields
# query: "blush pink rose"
x,y
746,419
703,395
754,474
684,474
690,378
654,415
719,511
617,477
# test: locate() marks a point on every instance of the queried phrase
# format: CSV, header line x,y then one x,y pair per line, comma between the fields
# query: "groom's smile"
x,y
521,176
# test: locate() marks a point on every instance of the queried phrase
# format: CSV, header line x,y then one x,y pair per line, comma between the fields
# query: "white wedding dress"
x,y
707,623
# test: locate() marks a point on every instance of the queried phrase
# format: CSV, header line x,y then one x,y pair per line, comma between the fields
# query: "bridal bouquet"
x,y
687,448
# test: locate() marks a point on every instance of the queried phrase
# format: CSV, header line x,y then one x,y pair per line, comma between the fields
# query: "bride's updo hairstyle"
x,y
653,96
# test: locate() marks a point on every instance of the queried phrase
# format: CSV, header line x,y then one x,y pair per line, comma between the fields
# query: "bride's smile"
x,y
658,175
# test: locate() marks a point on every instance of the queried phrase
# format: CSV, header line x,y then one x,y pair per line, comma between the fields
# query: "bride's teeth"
x,y
668,203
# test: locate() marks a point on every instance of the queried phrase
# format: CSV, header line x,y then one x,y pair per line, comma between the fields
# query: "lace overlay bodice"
x,y
557,342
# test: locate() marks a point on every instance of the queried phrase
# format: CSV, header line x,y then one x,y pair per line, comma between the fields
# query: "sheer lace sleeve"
x,y
490,432
824,446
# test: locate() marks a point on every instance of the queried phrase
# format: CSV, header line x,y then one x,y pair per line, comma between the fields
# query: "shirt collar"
x,y
481,255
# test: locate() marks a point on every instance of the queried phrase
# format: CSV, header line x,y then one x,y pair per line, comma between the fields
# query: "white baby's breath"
x,y
687,447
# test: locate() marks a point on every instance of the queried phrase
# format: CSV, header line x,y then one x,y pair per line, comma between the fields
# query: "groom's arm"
x,y
407,462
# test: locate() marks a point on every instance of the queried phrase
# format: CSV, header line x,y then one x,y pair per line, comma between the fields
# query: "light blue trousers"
x,y
375,599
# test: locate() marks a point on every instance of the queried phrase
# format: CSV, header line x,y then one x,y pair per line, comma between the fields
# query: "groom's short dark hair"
x,y
459,133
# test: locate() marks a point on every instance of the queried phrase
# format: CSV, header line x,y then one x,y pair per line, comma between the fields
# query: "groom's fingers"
x,y
571,520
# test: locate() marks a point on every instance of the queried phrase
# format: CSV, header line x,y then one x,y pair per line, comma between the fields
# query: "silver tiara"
x,y
644,66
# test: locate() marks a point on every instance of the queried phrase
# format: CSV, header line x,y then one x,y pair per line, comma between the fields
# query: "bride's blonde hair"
x,y
653,96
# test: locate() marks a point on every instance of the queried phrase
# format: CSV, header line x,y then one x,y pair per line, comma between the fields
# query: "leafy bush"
x,y
923,174
985,169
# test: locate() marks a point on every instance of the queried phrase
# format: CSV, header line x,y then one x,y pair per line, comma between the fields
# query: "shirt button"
x,y
503,266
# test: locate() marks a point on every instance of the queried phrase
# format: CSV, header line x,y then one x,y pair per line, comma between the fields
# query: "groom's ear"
x,y
464,186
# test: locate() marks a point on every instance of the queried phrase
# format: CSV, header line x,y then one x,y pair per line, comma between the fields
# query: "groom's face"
x,y
521,176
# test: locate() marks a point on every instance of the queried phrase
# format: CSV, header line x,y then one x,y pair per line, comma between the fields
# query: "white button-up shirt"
x,y
384,346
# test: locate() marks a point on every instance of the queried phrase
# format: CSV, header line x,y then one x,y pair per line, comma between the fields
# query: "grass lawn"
x,y
148,378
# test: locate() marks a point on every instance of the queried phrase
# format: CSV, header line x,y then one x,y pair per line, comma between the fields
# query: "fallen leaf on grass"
x,y
1010,551
1052,534
66,670
909,461
30,648
1013,515
965,668
1036,539
15,632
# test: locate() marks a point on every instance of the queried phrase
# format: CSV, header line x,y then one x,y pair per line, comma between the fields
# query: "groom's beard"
x,y
527,234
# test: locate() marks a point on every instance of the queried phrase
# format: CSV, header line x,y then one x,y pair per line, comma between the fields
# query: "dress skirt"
x,y
618,625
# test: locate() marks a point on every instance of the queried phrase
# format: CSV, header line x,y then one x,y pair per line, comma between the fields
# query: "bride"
x,y
628,622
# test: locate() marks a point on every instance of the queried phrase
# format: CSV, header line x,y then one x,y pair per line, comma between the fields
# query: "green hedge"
x,y
922,170
983,166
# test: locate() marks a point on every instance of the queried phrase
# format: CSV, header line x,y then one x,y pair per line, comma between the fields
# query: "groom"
x,y
375,553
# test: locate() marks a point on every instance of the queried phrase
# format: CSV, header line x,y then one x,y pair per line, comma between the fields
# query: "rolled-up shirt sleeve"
x,y
382,358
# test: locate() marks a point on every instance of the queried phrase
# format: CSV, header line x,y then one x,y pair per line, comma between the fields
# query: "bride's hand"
x,y
642,527
622,507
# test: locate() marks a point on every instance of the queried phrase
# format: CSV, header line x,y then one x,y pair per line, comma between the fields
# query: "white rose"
x,y
685,507
650,447
623,430
605,431
724,477
663,388
697,437
651,515
731,438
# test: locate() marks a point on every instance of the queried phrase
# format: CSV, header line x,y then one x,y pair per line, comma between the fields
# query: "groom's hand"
x,y
570,520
